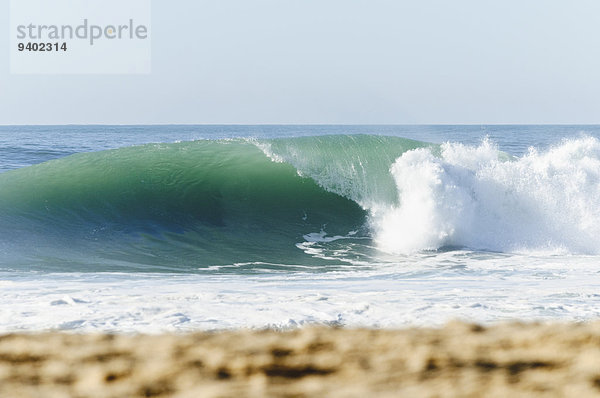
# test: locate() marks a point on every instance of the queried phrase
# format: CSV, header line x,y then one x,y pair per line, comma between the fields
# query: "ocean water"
x,y
182,228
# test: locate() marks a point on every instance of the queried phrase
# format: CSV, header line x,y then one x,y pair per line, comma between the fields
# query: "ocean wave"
x,y
180,205
221,202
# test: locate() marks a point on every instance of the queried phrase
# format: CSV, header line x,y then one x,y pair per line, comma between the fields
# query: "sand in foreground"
x,y
459,360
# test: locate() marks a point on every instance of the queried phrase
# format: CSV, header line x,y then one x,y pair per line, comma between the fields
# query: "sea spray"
x,y
472,197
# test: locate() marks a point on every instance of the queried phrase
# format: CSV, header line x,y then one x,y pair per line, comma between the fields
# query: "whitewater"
x,y
180,228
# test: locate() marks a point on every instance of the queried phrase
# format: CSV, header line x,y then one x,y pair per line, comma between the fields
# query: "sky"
x,y
336,62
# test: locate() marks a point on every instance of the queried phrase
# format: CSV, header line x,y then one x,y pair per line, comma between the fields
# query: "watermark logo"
x,y
80,37
85,31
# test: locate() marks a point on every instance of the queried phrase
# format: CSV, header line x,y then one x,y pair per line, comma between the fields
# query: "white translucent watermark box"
x,y
80,36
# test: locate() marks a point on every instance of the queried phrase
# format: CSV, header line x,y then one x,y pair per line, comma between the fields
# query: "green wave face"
x,y
191,205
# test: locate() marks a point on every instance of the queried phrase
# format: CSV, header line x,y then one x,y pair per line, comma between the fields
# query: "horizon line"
x,y
291,124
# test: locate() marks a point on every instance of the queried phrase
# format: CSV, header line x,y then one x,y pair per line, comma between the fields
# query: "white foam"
x,y
469,196
423,290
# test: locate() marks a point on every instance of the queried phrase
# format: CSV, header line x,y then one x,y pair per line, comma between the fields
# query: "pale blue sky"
x,y
337,61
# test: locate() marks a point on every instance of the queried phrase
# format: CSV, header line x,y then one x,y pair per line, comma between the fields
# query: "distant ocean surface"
x,y
182,228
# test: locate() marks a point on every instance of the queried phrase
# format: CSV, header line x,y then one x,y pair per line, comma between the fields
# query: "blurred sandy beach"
x,y
458,360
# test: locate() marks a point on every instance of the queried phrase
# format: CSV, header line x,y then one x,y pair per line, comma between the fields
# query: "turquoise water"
x,y
353,221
